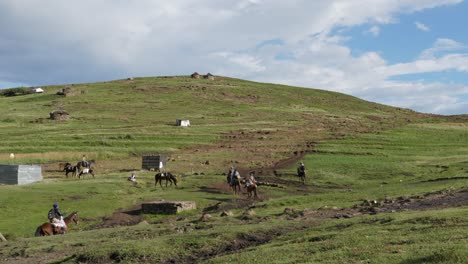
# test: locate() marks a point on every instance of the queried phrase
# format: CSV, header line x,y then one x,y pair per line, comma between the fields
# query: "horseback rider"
x,y
301,169
85,162
233,175
56,218
251,180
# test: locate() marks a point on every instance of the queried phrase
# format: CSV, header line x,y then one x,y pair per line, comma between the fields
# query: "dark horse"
x,y
85,164
86,171
164,175
235,184
301,174
69,168
47,229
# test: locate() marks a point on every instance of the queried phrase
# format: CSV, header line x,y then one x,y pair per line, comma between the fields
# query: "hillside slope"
x,y
258,122
383,185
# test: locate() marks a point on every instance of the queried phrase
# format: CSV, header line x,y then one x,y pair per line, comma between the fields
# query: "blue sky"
x,y
407,53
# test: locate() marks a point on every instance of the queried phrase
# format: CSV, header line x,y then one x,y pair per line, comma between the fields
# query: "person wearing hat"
x,y
56,217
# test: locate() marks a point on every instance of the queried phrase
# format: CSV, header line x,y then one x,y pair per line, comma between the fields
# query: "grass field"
x,y
360,151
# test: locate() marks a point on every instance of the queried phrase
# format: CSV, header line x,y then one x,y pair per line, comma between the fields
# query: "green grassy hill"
x,y
354,151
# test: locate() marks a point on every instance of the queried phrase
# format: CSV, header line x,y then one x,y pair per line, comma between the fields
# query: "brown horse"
x,y
252,189
47,229
169,177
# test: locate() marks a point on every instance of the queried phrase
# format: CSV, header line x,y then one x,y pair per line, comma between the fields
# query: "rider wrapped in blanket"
x,y
251,180
56,217
233,174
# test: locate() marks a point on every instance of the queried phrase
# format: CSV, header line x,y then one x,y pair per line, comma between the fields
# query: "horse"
x,y
69,169
164,175
63,165
86,171
84,164
235,185
48,229
301,174
252,189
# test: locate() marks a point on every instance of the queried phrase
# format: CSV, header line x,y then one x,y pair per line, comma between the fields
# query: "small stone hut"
x,y
68,91
209,76
167,207
20,174
195,75
59,115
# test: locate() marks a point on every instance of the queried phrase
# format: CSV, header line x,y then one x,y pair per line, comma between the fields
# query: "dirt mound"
x,y
121,218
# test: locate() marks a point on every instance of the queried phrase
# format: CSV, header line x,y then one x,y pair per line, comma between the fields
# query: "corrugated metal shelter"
x,y
20,174
153,162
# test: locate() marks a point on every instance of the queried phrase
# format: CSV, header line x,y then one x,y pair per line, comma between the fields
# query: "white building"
x,y
183,122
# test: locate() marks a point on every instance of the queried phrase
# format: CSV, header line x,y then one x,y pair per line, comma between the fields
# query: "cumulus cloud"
x,y
64,42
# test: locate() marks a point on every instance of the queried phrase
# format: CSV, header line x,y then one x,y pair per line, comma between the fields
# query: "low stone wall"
x,y
167,207
20,174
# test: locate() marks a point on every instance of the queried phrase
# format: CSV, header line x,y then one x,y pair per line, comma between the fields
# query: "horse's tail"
x,y
38,231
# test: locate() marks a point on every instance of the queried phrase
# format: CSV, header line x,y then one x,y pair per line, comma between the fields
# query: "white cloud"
x,y
440,46
421,26
374,30
89,40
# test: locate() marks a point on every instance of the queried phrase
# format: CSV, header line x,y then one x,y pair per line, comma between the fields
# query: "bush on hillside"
x,y
15,91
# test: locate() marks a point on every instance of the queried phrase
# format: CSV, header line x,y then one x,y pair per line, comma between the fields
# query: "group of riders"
x,y
233,176
55,216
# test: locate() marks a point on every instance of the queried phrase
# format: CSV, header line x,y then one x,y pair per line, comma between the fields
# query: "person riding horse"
x,y
301,172
233,175
56,218
251,181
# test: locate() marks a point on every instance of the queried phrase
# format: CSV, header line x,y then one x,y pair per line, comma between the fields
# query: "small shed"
x,y
20,174
60,115
37,90
183,122
195,75
209,76
153,162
